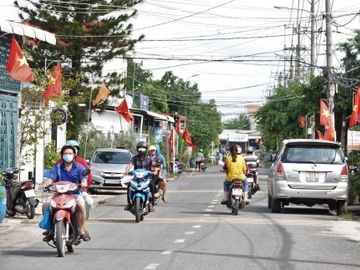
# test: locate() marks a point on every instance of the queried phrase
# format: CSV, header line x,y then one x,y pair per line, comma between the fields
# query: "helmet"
x,y
250,149
141,147
152,147
66,146
74,144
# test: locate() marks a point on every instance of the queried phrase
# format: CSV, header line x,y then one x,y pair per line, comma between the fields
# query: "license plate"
x,y
29,193
112,181
250,180
312,177
237,192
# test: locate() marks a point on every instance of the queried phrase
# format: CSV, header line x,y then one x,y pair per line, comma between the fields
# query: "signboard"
x,y
144,102
353,140
158,134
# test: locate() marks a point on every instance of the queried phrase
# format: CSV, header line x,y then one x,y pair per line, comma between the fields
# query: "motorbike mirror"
x,y
86,172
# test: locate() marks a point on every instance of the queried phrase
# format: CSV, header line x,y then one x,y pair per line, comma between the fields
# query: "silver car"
x,y
308,172
108,166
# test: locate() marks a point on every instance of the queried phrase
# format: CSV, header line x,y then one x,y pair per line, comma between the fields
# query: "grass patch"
x,y
348,216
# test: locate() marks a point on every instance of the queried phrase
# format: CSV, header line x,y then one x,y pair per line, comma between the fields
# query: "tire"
x,y
341,208
11,213
250,194
236,207
30,210
70,248
60,240
137,209
275,205
269,201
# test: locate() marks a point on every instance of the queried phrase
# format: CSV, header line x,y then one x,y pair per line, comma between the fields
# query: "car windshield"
x,y
112,157
312,154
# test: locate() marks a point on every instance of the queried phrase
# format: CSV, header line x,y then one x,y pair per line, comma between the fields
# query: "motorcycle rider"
x,y
235,168
140,161
252,161
158,178
200,158
70,170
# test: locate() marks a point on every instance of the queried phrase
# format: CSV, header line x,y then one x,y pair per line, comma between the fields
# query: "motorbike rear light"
x,y
344,173
280,173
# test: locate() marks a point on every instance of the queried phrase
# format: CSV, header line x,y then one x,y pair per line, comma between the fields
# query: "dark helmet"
x,y
142,148
67,147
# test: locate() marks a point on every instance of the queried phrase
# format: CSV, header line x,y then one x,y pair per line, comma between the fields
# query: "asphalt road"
x,y
194,231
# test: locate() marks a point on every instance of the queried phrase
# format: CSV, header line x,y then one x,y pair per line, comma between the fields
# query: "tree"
x,y
240,122
278,118
89,34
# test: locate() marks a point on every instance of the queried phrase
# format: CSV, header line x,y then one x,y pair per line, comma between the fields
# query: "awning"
x,y
157,116
27,30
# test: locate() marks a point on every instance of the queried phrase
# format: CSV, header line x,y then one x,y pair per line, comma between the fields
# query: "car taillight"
x,y
280,173
344,173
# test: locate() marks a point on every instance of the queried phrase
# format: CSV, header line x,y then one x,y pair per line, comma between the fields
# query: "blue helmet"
x,y
73,143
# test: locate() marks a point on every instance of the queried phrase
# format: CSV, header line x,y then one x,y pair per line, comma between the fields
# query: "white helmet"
x,y
250,149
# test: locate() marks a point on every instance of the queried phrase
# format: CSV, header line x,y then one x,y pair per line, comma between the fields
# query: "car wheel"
x,y
275,205
332,205
341,207
269,201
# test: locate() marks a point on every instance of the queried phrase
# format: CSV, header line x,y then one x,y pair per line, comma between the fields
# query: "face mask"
x,y
68,158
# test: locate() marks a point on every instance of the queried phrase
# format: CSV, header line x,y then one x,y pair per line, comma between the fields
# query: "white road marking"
x,y
214,202
189,232
209,210
167,252
179,241
206,215
211,206
152,266
196,226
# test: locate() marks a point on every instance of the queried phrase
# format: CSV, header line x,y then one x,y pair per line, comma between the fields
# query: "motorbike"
x,y
20,195
64,217
236,197
203,166
250,175
139,193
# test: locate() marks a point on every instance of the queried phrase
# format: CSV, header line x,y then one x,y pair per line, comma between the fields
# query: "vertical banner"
x,y
144,102
158,132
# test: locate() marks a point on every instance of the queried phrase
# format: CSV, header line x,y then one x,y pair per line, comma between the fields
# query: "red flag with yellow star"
x,y
355,111
330,134
325,116
54,86
124,111
171,140
17,65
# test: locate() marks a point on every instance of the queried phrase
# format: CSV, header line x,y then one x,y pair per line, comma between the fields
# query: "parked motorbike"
x,y
20,195
139,193
236,197
64,217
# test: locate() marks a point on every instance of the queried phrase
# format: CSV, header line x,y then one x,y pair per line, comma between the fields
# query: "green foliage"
x,y
51,155
278,118
240,122
88,35
93,139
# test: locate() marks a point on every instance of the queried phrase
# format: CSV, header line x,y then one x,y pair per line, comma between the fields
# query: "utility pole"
x,y
312,38
330,89
297,62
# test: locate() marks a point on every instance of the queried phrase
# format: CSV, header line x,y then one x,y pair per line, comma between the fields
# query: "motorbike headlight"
x,y
70,203
53,203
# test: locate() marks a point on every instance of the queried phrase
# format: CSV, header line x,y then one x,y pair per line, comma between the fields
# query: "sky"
x,y
238,45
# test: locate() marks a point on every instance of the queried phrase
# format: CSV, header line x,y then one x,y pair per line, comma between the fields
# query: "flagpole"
x,y
88,122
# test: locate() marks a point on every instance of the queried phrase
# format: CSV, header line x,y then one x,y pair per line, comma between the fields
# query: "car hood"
x,y
103,167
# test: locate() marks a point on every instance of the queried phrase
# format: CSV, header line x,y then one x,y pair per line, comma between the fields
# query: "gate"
x,y
9,91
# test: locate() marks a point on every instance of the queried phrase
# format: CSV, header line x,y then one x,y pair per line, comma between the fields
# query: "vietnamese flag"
x,y
177,126
17,65
54,85
302,121
103,93
325,116
124,111
330,134
320,135
354,119
186,137
171,141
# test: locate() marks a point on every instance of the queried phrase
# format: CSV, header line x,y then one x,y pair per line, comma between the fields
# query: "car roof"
x,y
111,150
310,141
